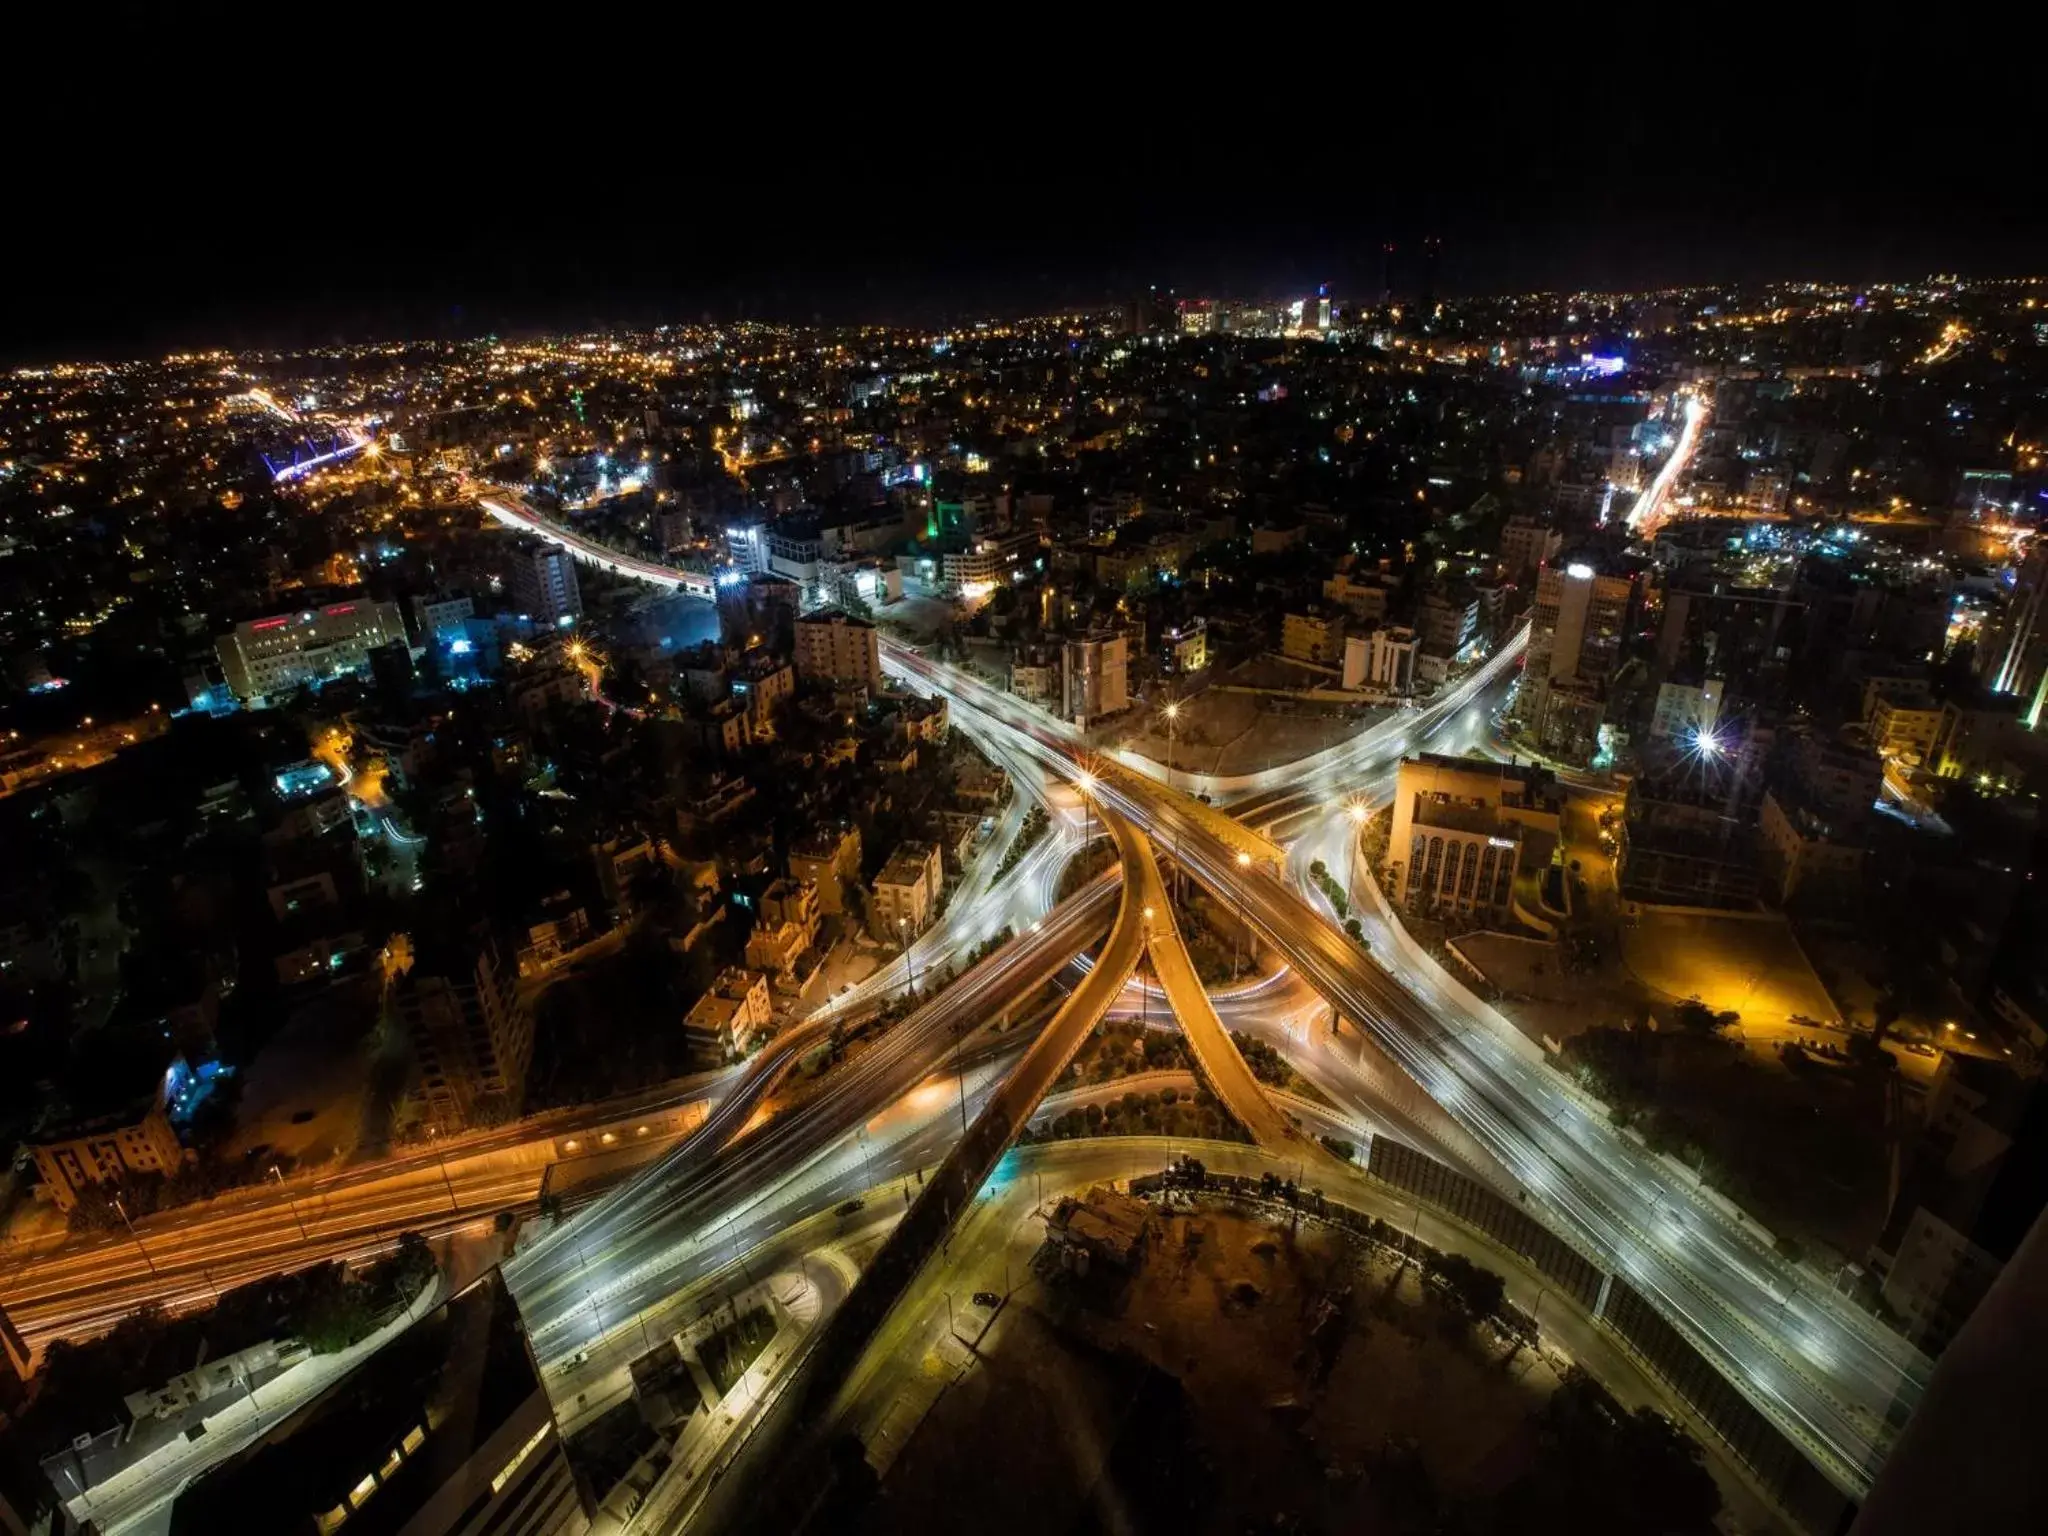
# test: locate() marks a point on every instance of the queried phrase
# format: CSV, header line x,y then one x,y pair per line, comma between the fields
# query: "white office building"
x,y
266,658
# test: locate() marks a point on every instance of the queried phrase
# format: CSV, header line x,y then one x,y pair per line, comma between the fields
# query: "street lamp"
x,y
1172,716
1085,782
134,1234
959,1074
278,1174
903,943
1244,861
1145,992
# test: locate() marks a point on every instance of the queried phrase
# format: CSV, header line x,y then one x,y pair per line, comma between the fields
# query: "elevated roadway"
x,y
949,1193
626,1248
1217,1057
1833,1378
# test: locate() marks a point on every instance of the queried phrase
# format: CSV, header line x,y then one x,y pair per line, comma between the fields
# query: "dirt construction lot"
x,y
1190,1402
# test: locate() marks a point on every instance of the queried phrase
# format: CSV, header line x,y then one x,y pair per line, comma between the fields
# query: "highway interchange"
x,y
1834,1378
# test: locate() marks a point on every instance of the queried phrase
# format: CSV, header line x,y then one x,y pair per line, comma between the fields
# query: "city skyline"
x,y
1315,903
1577,185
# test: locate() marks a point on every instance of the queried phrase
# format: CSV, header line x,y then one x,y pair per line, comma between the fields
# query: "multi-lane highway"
x,y
628,1249
82,1285
1834,1378
1647,513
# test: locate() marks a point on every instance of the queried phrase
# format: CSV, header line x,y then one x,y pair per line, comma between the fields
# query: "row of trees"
x,y
1036,824
1167,1112
1340,903
1267,1064
1119,1049
327,1307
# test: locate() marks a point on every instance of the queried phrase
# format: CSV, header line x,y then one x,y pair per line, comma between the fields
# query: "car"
x,y
848,1207
987,1299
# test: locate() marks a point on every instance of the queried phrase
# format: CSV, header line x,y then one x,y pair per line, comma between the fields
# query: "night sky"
x,y
354,202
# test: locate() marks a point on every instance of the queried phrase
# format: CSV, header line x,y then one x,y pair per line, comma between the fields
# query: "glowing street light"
x,y
1085,782
1244,861
1172,713
1144,991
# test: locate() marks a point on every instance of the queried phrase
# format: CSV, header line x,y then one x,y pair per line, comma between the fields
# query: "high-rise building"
x,y
2012,663
1581,617
746,547
444,1429
1384,659
471,1034
264,658
541,583
1462,829
1097,675
834,646
1525,544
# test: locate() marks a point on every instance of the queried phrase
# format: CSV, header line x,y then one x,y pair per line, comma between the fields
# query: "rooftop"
x,y
461,1371
907,865
835,616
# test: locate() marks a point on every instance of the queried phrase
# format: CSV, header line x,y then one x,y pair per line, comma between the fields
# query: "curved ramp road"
x,y
1836,1380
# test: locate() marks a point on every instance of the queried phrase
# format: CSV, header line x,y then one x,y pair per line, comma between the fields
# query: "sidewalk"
x,y
155,1479
707,1438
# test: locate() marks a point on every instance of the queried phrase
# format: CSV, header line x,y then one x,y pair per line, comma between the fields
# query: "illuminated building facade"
x,y
837,647
541,583
445,1429
1463,828
268,657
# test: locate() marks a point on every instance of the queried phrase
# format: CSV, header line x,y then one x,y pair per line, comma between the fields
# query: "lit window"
x,y
413,1439
505,1475
359,1495
332,1520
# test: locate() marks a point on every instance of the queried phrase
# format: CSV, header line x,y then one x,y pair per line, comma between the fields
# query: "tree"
x,y
1605,1469
1695,1017
1477,1292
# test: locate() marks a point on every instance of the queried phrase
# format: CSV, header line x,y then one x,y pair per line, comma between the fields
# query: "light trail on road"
x,y
1642,517
1836,1380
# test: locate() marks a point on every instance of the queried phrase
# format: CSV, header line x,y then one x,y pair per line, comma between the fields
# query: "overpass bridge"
x,y
1833,1380
515,511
